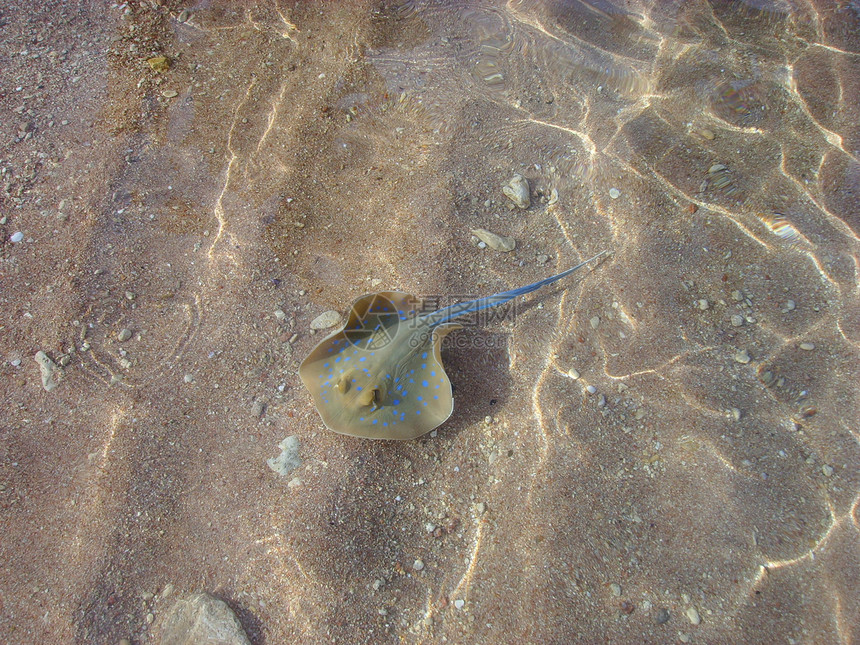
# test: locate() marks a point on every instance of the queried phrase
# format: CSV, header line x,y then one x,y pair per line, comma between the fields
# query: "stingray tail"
x,y
461,309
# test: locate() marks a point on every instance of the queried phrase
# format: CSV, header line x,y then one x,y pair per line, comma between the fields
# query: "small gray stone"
x,y
662,616
325,320
201,618
614,193
123,335
258,408
289,458
16,237
742,356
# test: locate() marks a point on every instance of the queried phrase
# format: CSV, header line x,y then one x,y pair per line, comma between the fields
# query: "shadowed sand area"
x,y
662,448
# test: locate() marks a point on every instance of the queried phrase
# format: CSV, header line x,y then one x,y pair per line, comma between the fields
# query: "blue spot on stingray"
x,y
425,384
362,359
417,411
375,421
337,360
424,355
347,358
397,379
326,364
352,381
423,366
331,349
418,398
359,388
432,373
388,376
395,402
385,423
437,387
435,396
361,419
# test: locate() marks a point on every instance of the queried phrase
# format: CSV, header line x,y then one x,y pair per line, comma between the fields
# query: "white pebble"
x,y
189,378
807,346
16,237
743,357
614,193
573,373
418,565
693,616
325,320
591,389
459,603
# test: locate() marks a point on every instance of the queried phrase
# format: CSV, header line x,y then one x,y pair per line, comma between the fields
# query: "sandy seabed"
x,y
698,482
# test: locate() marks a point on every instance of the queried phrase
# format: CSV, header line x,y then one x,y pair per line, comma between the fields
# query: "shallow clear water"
x,y
704,465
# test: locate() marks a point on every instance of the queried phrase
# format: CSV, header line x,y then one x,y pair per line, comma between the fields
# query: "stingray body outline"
x,y
380,376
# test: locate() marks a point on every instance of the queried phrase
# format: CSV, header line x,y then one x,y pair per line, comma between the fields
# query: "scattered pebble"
x,y
788,306
459,603
553,197
737,320
497,242
614,193
662,616
183,15
591,389
325,320
170,94
827,470
481,508
693,616
707,134
123,335
737,296
289,458
418,565
735,413
201,618
16,237
742,356
595,322
573,373
517,191
258,408
51,374
542,259
159,63
280,314
188,378
807,346
703,304
616,589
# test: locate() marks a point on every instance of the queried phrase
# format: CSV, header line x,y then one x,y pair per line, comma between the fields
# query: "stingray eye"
x,y
344,382
368,396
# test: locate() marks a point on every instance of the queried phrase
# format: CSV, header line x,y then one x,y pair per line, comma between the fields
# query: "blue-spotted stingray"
x,y
380,376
